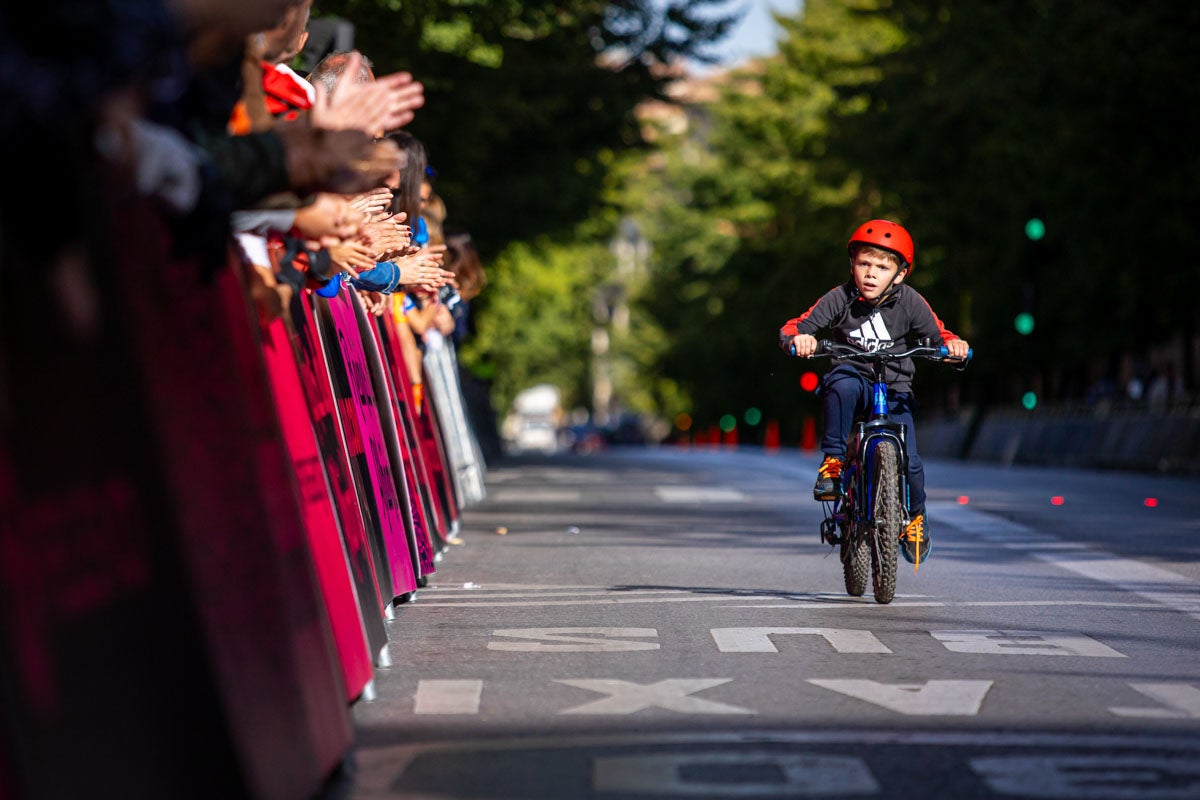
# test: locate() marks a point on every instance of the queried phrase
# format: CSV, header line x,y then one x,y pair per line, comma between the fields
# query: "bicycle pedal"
x,y
829,532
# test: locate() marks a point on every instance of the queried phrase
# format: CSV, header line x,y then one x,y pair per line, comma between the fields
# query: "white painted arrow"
x,y
932,698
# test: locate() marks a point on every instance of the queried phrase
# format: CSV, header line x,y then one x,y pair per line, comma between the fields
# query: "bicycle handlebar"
x,y
831,349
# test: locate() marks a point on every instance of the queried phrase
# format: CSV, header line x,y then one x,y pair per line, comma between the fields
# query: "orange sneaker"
x,y
829,479
914,541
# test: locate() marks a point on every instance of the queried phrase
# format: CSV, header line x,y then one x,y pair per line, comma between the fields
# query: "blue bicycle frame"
x,y
858,477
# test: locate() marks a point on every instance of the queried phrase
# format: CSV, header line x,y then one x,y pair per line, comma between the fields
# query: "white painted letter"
x,y
626,698
583,642
1025,643
757,640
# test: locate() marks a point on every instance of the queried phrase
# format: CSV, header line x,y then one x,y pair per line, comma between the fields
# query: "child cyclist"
x,y
874,310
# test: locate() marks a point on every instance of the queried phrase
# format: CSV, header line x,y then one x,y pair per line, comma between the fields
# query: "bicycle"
x,y
865,521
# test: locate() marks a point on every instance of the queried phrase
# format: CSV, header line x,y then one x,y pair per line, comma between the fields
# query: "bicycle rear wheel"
x,y
889,516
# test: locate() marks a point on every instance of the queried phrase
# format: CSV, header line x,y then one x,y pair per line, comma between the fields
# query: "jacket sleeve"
x,y
925,323
822,314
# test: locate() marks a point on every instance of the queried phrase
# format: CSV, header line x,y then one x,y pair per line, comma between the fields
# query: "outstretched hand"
x,y
417,269
342,161
371,203
386,104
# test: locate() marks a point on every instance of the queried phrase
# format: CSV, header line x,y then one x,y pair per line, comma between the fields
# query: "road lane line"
x,y
448,697
699,494
1158,585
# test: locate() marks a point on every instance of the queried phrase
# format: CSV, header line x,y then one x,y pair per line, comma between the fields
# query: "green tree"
x,y
525,100
534,323
749,214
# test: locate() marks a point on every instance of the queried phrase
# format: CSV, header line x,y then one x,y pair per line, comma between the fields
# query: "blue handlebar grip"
x,y
792,348
944,352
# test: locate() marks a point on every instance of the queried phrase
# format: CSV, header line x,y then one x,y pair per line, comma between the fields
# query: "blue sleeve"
x,y
385,277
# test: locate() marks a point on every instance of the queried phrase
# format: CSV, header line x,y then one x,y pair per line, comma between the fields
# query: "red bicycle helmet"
x,y
886,234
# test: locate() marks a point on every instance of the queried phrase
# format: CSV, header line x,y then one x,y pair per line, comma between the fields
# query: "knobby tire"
x,y
856,559
856,554
889,518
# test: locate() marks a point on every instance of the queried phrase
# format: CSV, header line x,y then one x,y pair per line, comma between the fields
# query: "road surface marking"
x,y
474,594
515,495
851,602
381,767
576,643
1157,585
448,697
749,773
1032,643
1071,777
932,698
622,600
699,494
758,640
673,694
1180,699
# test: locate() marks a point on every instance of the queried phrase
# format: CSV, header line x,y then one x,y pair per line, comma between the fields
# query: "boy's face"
x,y
873,274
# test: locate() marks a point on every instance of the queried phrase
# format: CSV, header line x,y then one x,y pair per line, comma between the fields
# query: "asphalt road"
x,y
661,623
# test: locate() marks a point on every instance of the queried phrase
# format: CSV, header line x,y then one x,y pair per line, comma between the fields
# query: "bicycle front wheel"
x,y
889,517
856,560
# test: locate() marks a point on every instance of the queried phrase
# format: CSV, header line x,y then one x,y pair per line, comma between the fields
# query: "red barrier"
x,y
160,620
808,434
771,436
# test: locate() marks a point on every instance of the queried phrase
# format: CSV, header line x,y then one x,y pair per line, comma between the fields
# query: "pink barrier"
x,y
368,563
399,446
316,507
417,471
359,409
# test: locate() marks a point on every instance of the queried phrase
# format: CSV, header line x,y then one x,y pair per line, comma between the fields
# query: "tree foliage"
x,y
526,100
960,120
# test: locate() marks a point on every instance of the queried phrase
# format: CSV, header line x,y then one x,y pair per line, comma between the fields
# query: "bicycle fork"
x,y
855,510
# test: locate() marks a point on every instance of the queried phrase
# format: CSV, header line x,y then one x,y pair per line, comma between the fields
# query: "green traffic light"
x,y
1029,400
752,416
728,422
1035,229
1024,323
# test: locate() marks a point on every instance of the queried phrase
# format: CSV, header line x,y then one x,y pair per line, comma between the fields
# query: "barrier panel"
x,y
404,407
439,456
151,540
316,506
443,496
364,559
464,453
359,409
416,520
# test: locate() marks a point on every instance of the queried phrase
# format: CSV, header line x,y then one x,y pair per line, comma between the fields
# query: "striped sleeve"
x,y
820,315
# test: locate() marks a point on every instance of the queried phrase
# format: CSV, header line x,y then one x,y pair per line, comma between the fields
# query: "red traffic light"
x,y
809,381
